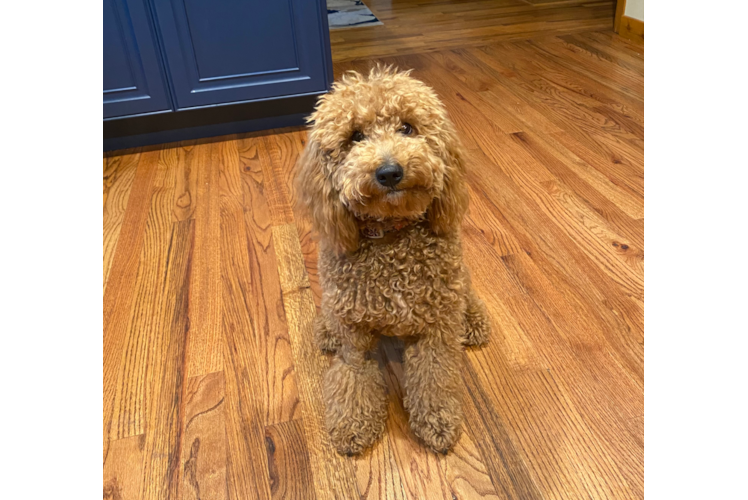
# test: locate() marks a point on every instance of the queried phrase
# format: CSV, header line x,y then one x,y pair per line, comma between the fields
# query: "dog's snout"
x,y
389,174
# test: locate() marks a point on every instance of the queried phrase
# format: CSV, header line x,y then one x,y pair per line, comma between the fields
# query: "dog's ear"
x,y
335,225
448,208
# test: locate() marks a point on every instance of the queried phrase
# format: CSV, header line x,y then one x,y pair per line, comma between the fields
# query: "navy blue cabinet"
x,y
179,69
134,82
221,51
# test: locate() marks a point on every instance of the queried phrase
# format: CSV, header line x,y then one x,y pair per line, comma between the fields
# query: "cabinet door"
x,y
133,77
221,51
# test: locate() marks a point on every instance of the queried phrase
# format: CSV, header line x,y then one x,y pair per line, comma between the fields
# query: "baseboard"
x,y
632,29
184,134
207,122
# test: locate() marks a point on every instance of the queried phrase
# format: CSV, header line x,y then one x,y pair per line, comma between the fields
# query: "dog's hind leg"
x,y
353,391
477,324
324,336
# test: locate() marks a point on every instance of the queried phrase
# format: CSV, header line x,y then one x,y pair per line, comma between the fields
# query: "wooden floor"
x,y
211,379
417,26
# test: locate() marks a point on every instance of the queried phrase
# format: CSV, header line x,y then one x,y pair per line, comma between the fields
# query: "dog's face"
x,y
381,147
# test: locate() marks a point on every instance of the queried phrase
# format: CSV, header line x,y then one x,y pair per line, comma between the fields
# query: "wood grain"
x,y
377,473
166,363
211,378
119,174
632,29
130,401
123,468
196,198
204,436
245,396
123,372
288,461
264,286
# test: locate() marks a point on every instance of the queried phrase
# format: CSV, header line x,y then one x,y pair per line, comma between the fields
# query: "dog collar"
x,y
375,229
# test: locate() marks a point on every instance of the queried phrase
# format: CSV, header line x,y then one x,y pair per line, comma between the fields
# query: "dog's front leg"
x,y
324,336
477,323
353,390
432,384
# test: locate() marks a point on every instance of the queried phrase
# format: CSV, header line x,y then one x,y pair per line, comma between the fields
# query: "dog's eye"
x,y
407,129
357,136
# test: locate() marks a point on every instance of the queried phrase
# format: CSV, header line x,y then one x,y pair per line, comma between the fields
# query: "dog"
x,y
382,175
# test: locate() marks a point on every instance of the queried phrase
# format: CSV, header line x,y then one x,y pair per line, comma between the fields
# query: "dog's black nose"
x,y
389,174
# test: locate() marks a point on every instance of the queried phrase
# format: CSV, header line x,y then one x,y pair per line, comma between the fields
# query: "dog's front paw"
x,y
355,405
477,325
323,336
439,429
350,440
477,332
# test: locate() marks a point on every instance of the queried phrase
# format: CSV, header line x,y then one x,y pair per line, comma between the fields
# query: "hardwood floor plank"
x,y
303,222
288,460
263,287
614,41
292,275
119,175
606,52
465,472
123,469
166,374
463,102
280,152
118,301
205,348
377,473
203,460
516,346
188,185
580,337
492,99
127,406
246,403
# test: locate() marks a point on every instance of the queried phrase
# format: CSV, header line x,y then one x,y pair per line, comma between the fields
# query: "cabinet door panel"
x,y
221,51
133,77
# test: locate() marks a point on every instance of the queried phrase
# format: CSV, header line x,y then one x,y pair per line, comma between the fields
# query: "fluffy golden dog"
x,y
383,178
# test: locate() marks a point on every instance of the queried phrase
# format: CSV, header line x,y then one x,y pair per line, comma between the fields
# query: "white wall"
x,y
635,9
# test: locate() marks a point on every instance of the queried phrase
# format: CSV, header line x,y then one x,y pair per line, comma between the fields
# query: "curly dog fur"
x,y
412,281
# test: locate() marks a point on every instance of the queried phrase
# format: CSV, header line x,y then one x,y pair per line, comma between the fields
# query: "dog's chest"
x,y
410,281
